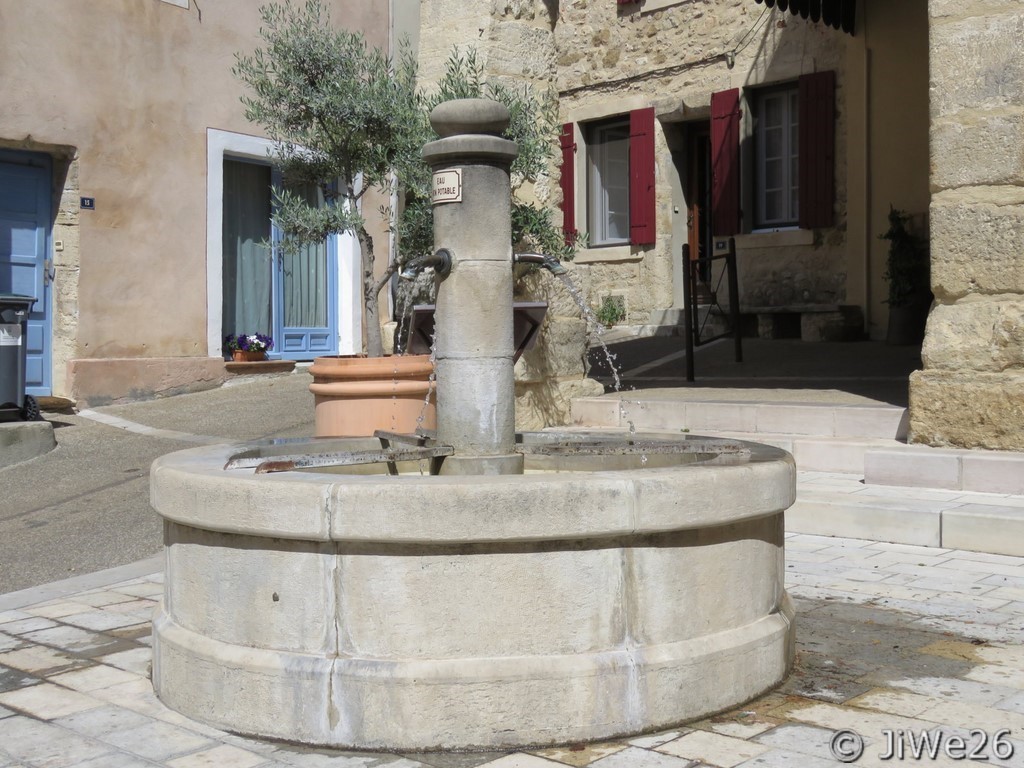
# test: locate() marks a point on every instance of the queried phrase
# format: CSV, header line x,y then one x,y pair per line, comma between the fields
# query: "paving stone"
x,y
965,691
13,679
92,678
653,740
157,741
635,757
454,759
101,620
581,755
102,720
136,660
1013,703
521,760
713,748
116,760
25,626
9,616
48,701
807,740
55,609
41,661
79,641
43,744
100,598
223,756
780,758
10,643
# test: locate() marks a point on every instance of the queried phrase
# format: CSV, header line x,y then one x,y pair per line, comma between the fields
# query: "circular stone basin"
x,y
588,598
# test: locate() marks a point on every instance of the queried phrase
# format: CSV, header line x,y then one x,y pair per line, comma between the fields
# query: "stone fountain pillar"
x,y
474,345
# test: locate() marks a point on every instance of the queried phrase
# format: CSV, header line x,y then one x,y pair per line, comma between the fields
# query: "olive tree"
x,y
347,118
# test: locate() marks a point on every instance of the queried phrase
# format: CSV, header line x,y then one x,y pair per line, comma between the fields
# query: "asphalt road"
x,y
84,506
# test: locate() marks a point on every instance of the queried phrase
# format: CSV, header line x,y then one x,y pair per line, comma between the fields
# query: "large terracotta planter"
x,y
354,396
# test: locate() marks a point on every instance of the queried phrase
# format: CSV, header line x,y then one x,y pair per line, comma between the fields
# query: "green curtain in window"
x,y
247,262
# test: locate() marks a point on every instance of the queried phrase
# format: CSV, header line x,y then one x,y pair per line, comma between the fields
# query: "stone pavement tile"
x,y
713,748
48,701
792,738
136,660
780,758
1013,703
1010,656
966,691
453,759
157,741
102,720
41,661
309,757
583,754
654,739
92,678
146,589
13,679
998,674
521,760
14,615
43,744
903,703
101,597
24,626
5,712
101,620
987,557
223,756
809,557
55,609
141,607
635,757
975,716
1013,570
10,643
78,641
954,586
116,760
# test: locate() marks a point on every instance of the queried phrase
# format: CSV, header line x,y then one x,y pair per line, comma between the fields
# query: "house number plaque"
x,y
447,186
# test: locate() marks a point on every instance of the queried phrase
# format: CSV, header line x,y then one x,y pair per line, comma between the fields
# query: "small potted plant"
x,y
247,347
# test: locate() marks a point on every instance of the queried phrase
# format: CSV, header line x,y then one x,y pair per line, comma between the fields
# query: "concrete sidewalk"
x,y
890,637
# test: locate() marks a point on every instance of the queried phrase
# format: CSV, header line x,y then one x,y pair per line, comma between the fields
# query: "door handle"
x,y
49,271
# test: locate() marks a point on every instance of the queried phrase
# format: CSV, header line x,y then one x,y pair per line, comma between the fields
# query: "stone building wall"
x,y
971,391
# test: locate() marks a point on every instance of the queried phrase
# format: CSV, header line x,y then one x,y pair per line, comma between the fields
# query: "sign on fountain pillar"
x,y
471,197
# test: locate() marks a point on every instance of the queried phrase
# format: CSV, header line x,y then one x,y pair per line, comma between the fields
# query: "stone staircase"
x,y
857,475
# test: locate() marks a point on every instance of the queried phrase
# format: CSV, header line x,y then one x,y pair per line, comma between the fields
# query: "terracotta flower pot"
x,y
242,356
355,396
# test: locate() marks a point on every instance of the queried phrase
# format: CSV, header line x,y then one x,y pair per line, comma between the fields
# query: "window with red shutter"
x,y
641,177
725,162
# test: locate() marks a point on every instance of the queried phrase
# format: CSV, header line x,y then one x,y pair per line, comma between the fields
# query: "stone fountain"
x,y
527,589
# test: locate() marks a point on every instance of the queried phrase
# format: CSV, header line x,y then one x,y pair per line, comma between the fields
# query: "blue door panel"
x,y
24,246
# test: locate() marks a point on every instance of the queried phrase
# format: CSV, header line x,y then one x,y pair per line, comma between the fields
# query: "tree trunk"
x,y
371,308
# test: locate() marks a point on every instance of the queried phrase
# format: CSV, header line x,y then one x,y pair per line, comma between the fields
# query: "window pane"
x,y
608,190
777,164
246,288
304,278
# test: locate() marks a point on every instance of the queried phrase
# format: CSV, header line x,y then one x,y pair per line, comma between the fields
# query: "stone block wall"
x,y
971,391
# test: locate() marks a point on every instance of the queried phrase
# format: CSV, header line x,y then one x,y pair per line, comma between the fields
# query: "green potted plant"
x,y
908,276
247,347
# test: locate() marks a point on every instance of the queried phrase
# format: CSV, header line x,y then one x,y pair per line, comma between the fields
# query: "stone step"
x,y
844,506
812,419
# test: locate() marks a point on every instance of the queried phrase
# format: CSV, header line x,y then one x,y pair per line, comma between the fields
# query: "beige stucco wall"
x,y
130,88
971,391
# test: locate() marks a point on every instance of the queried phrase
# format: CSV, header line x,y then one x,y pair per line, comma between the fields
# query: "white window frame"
x,y
221,144
788,98
599,158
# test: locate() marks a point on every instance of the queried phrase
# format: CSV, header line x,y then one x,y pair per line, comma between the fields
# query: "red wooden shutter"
x,y
566,178
641,177
817,149
725,162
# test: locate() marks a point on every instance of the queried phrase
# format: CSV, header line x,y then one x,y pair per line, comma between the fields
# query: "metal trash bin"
x,y
14,311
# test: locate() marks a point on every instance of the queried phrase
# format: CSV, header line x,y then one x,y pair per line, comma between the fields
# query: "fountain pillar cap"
x,y
469,116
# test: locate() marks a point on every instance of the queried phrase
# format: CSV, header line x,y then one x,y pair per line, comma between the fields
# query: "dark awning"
x,y
836,13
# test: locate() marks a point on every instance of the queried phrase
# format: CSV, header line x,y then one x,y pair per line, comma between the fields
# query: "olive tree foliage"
x,y
346,118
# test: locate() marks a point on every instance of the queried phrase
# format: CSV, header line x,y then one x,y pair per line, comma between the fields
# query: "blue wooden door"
x,y
306,297
24,254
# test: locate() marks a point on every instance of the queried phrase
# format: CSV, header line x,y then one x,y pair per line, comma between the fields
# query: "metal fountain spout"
x,y
546,261
440,260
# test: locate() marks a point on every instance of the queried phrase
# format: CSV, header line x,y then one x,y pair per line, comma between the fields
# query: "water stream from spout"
x,y
590,317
